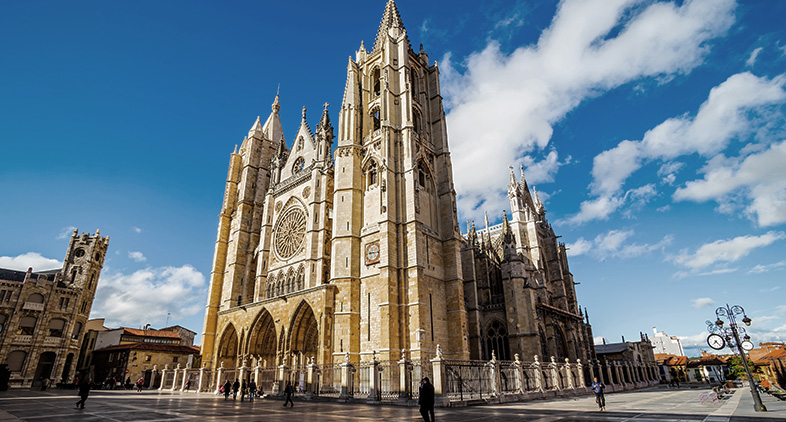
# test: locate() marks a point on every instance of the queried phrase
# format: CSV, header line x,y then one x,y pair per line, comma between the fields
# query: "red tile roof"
x,y
150,333
176,348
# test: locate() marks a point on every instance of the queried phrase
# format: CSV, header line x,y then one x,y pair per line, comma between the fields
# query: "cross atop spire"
x,y
390,19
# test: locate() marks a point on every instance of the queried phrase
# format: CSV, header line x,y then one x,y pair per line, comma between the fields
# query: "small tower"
x,y
82,265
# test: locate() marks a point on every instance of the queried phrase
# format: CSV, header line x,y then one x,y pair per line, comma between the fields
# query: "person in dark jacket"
x,y
84,391
227,389
288,392
235,389
426,400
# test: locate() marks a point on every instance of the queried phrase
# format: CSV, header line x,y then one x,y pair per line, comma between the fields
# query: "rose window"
x,y
289,233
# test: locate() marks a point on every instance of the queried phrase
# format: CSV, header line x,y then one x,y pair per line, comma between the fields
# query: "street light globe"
x,y
746,321
719,323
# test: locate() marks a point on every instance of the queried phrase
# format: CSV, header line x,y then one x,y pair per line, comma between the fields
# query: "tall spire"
x,y
272,128
390,19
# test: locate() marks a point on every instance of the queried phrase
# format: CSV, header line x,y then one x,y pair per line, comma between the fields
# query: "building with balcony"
x,y
43,313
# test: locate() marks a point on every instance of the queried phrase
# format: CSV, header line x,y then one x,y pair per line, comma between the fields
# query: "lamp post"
x,y
732,337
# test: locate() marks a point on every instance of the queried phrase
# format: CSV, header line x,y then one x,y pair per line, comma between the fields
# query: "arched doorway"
x,y
67,367
304,335
262,340
227,349
46,363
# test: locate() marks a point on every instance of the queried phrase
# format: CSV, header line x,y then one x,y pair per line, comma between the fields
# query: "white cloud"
x,y
760,178
737,108
720,271
30,259
137,256
579,247
726,251
65,232
136,229
702,302
598,340
544,170
508,103
614,243
752,59
765,268
146,296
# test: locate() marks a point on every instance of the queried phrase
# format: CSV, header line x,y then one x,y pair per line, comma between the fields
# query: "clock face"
x,y
372,253
747,345
716,342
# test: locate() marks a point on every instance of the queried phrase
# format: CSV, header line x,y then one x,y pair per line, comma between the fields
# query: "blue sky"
x,y
654,130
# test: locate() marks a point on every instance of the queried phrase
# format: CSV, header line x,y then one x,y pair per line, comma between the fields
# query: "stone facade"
x,y
43,314
360,254
518,288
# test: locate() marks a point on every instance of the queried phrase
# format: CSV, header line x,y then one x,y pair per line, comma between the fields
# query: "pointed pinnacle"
x,y
276,107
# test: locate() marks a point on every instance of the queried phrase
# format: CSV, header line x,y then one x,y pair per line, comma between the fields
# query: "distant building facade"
x,y
43,314
666,344
130,353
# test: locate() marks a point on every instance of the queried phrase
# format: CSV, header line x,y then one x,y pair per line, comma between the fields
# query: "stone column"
x,y
568,375
219,380
519,374
281,378
554,373
580,370
242,373
403,374
153,377
538,375
493,367
201,379
346,378
174,380
374,393
607,373
163,376
184,380
439,374
312,385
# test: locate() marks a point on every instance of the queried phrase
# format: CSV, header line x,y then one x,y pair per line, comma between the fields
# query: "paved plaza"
x,y
654,404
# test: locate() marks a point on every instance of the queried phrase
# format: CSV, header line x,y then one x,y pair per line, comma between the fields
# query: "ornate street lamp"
x,y
731,336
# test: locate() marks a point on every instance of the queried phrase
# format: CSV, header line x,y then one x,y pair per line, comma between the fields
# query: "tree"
x,y
736,368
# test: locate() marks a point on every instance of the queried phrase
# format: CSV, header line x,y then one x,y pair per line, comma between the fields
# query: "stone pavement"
x,y
653,404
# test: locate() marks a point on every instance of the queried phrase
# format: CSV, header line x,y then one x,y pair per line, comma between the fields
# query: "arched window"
x,y
544,347
559,342
376,82
413,76
3,319
271,282
16,360
36,298
301,274
27,326
77,330
56,327
375,119
496,340
416,120
372,175
291,281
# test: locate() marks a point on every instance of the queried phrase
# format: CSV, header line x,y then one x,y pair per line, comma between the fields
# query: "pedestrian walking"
x,y
426,400
188,385
227,388
139,384
288,392
84,391
597,387
243,390
252,390
235,388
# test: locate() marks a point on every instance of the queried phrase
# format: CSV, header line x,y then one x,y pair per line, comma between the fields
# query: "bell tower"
x,y
396,241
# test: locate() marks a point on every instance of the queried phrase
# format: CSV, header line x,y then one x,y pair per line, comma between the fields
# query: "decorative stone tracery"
x,y
290,232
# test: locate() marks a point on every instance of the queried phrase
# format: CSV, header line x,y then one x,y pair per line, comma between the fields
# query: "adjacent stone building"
x,y
43,314
342,256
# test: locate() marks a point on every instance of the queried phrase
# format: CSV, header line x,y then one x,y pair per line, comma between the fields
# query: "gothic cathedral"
x,y
324,254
